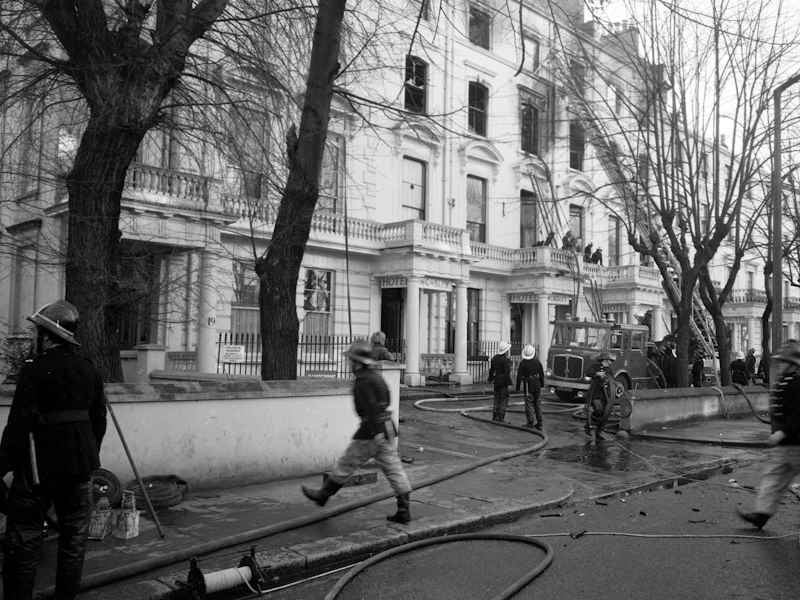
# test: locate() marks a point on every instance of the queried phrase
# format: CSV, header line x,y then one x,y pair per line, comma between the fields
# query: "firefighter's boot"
x,y
320,496
756,519
403,514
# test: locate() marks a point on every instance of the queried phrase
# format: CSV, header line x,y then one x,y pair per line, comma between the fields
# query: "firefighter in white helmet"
x,y
51,443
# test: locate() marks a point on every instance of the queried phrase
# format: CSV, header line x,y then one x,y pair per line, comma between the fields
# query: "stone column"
x,y
658,323
413,376
752,333
542,339
460,374
374,305
207,315
505,318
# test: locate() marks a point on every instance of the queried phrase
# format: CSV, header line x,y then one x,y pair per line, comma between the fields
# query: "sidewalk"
x,y
567,470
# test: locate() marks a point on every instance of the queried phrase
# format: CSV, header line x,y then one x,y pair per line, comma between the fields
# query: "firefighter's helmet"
x,y
59,318
360,352
605,356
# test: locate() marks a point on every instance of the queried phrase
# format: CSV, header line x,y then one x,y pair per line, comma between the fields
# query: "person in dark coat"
x,y
531,375
587,253
597,257
783,463
375,437
51,442
698,367
500,376
739,370
750,365
379,351
669,362
600,397
763,369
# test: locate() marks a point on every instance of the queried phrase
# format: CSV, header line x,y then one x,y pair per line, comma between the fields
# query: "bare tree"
x,y
660,140
101,55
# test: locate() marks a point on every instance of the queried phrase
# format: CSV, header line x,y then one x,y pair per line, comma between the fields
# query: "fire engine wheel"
x,y
566,395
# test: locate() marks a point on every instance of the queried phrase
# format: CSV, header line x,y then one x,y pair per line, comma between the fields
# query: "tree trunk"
x,y
723,342
95,191
683,336
278,271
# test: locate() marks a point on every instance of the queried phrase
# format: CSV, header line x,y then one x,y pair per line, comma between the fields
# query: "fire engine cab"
x,y
571,361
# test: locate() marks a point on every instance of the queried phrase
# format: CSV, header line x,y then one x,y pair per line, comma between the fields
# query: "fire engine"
x,y
571,361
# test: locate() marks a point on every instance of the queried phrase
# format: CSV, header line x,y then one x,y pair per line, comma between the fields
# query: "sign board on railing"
x,y
232,353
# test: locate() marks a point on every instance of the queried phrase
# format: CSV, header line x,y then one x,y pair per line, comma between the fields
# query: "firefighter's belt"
x,y
57,417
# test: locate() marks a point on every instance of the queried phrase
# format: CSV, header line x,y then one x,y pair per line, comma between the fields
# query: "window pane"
x,y
529,127
415,84
330,175
576,220
576,146
613,240
414,177
478,99
479,27
527,219
476,208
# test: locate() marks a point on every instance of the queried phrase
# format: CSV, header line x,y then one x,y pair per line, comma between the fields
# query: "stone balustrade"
x,y
155,184
748,296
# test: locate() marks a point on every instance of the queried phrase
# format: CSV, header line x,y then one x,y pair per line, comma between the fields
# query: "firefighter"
x,y
51,442
599,400
500,376
375,438
531,374
783,463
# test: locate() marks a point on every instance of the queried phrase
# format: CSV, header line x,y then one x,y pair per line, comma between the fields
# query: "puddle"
x,y
621,457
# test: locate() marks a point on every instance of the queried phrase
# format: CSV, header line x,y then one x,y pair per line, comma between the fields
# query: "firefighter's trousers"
x,y
782,466
384,451
24,536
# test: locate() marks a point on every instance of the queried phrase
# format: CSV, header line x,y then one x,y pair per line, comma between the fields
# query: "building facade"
x,y
443,222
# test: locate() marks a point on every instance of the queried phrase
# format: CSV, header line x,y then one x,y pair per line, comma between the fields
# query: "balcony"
x,y
623,275
330,227
168,187
748,296
422,235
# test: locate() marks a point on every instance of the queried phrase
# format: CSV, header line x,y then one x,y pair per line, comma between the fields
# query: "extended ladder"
x,y
701,326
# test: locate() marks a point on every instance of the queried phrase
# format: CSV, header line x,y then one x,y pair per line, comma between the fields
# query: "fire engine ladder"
x,y
551,218
701,324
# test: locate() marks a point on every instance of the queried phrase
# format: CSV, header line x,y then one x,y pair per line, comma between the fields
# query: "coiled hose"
x,y
529,576
508,592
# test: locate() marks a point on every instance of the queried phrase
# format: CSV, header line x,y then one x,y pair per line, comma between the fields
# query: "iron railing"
x,y
317,355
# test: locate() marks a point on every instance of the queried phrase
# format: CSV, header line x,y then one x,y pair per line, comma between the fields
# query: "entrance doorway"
x,y
392,302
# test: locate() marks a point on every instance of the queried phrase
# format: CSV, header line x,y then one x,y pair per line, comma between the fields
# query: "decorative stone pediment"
x,y
578,183
480,151
414,132
420,132
532,166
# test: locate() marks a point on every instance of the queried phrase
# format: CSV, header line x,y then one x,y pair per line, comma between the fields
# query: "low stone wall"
x,y
673,405
223,431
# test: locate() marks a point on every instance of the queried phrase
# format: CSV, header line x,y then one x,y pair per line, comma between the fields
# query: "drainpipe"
x,y
447,186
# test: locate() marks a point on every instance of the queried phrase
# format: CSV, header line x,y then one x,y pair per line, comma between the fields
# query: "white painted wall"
x,y
220,434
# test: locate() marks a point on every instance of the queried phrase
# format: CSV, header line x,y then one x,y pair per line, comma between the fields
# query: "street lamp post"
x,y
777,233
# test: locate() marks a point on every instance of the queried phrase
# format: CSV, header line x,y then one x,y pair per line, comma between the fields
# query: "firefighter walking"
x,y
375,438
783,462
51,442
531,375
